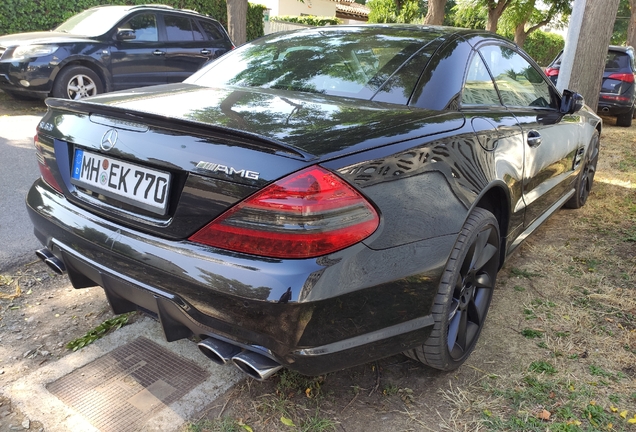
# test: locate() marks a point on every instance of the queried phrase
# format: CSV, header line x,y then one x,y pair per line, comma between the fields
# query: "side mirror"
x,y
571,102
125,34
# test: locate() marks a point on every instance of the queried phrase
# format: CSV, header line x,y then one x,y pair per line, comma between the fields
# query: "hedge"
x,y
309,20
18,16
543,47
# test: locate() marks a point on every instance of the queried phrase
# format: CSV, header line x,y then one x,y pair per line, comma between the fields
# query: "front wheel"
x,y
77,82
464,294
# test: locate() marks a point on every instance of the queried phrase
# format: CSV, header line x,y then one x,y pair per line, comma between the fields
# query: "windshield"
x,y
93,22
352,62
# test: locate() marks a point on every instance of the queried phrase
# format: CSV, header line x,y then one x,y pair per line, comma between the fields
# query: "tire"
x,y
77,82
585,180
464,294
625,120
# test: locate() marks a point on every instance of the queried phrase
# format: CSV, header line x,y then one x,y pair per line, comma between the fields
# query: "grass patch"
x,y
525,274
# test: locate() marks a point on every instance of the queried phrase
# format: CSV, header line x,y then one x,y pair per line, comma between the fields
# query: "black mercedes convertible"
x,y
315,199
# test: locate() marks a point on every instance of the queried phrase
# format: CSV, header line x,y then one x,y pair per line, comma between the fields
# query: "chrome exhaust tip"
x,y
218,351
51,260
256,365
44,254
56,265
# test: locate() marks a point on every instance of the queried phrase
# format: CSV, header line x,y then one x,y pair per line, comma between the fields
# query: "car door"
x,y
497,132
187,47
551,141
139,59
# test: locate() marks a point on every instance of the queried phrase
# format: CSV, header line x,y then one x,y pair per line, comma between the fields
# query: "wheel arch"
x,y
496,199
90,63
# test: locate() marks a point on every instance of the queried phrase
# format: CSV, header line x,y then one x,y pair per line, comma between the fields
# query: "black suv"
x,y
617,95
110,48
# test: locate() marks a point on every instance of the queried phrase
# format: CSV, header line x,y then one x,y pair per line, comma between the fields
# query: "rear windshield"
x,y
350,62
617,61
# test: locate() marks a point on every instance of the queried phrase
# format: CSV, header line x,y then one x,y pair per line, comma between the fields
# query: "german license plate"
x,y
130,183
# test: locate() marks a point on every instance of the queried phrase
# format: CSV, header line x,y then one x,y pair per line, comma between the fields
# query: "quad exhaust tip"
x,y
218,351
256,365
51,260
253,364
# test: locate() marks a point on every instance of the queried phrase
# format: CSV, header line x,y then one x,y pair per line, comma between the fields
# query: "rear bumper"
x,y
347,308
613,108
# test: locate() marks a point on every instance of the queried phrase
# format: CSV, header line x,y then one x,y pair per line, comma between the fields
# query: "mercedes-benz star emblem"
x,y
109,139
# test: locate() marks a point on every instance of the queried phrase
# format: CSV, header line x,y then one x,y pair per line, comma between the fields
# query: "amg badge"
x,y
231,171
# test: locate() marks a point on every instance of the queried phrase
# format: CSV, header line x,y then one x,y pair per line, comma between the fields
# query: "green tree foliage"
x,y
18,16
519,19
466,13
396,11
619,36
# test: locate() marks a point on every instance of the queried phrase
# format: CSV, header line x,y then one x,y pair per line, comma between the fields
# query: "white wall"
x,y
325,8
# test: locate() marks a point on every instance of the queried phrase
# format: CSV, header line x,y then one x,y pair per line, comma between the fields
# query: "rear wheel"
x,y
464,294
625,120
77,82
585,181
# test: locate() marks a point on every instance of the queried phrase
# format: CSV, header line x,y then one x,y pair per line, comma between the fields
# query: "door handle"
x,y
158,52
206,51
534,138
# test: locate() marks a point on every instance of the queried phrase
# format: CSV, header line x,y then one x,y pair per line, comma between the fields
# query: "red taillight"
x,y
552,71
307,214
615,98
47,175
626,77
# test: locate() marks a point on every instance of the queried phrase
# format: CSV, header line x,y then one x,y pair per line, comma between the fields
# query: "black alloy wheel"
x,y
585,180
464,294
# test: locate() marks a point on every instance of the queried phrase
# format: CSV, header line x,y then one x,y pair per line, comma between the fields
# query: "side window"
x,y
210,30
178,28
196,32
519,83
144,26
479,88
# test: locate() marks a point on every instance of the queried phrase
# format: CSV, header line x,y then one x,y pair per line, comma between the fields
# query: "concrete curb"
x,y
29,394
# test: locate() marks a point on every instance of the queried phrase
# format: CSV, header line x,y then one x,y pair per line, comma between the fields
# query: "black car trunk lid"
x,y
168,160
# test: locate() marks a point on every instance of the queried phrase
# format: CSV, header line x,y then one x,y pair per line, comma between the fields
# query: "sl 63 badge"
x,y
46,126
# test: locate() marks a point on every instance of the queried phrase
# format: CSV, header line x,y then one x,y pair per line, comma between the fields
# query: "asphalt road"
x,y
18,170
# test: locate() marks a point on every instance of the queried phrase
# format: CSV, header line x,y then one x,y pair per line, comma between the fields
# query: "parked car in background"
x,y
110,48
315,199
618,93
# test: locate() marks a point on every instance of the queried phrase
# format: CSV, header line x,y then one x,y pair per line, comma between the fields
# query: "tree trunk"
x,y
631,29
237,21
520,34
435,13
495,10
585,52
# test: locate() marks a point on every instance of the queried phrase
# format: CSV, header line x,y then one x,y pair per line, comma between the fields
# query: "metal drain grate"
x,y
121,390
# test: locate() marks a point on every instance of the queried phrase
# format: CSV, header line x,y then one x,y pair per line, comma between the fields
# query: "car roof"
x,y
620,48
441,30
157,7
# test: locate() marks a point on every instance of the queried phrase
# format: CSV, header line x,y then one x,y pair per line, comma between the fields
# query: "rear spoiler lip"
x,y
197,128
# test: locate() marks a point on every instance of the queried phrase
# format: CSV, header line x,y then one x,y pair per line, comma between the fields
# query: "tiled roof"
x,y
351,8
